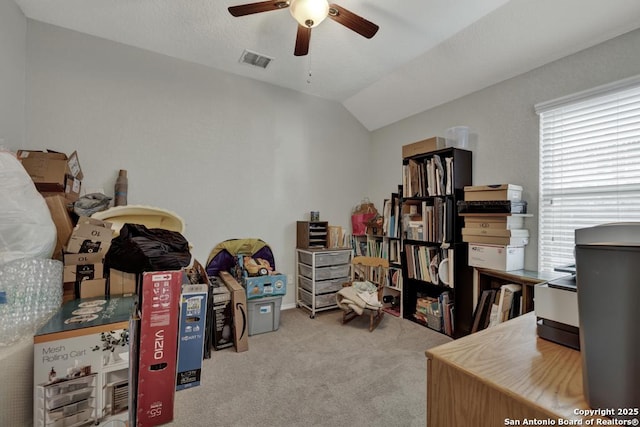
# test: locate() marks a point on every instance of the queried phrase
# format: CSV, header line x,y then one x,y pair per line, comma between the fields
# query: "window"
x,y
589,165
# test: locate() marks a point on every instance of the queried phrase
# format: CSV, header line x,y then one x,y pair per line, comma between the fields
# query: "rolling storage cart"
x,y
320,274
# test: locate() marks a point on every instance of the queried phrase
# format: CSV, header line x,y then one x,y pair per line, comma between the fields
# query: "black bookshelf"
x,y
446,227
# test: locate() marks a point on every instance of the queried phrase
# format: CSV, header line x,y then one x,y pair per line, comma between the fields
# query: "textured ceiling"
x,y
426,52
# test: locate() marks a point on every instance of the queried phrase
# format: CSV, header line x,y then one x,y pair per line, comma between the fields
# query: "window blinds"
x,y
589,166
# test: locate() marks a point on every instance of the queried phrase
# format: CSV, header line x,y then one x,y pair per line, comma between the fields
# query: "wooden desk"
x,y
503,373
485,278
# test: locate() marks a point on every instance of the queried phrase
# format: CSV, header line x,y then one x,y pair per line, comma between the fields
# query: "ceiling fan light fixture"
x,y
309,13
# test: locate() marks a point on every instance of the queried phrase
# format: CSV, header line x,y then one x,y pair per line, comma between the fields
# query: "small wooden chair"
x,y
371,269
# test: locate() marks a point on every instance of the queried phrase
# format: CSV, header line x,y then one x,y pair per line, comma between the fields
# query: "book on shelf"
x,y
516,305
449,179
390,216
386,215
428,177
481,316
395,278
446,308
360,245
424,263
395,249
429,311
507,301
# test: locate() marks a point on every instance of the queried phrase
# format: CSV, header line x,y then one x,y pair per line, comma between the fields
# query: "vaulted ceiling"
x,y
426,52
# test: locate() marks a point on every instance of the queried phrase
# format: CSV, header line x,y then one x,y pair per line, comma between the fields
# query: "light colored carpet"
x,y
316,372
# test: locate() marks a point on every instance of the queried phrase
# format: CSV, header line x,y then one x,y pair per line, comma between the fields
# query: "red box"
x,y
158,347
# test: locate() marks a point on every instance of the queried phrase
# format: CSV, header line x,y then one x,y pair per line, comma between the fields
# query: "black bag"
x,y
138,249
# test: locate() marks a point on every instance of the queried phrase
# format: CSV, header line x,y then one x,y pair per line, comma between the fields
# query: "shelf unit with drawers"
x,y
320,273
67,402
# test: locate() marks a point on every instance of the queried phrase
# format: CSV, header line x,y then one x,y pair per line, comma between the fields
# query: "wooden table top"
x,y
511,358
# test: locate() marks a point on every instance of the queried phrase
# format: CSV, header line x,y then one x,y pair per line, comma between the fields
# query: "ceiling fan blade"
x,y
352,21
302,40
263,6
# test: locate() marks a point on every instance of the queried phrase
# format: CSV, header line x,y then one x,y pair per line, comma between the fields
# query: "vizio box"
x,y
156,332
496,257
81,363
193,316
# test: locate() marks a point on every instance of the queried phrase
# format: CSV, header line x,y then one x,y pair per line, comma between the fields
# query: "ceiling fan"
x,y
309,13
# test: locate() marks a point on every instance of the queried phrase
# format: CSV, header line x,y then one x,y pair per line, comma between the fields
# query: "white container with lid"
x,y
457,137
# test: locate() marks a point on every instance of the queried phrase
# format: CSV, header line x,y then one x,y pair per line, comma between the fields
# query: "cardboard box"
x,y
157,348
222,328
265,286
53,172
68,292
80,272
87,258
493,192
193,316
239,307
57,205
495,236
496,240
83,351
422,147
74,166
498,222
91,288
48,170
121,283
496,257
90,236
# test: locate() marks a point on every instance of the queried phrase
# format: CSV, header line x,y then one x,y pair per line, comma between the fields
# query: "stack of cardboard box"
x,y
58,178
83,259
496,239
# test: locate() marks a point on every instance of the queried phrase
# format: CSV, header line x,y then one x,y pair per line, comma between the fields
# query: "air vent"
x,y
255,59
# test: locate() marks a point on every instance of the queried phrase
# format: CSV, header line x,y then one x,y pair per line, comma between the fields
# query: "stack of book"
x,y
497,306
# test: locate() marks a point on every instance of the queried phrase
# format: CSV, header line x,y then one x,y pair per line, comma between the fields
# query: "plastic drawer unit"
x,y
320,273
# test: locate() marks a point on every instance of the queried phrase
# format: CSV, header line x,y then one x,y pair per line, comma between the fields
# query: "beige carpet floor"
x,y
316,372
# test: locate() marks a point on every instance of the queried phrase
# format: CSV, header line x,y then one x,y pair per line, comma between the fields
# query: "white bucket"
x,y
458,137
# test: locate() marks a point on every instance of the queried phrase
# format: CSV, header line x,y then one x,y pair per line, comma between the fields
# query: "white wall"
x,y
232,156
13,41
503,123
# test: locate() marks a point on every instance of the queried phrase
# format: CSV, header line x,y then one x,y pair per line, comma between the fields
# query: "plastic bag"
x,y
361,214
138,249
26,227
89,204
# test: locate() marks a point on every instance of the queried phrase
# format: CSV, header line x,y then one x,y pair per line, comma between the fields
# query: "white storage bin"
x,y
323,286
322,301
496,257
326,258
325,273
264,314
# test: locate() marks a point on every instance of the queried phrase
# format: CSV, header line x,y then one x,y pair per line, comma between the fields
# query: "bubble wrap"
x,y
33,292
